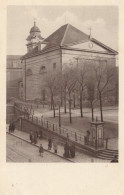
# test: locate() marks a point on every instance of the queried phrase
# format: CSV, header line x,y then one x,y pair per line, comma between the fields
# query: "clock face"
x,y
90,45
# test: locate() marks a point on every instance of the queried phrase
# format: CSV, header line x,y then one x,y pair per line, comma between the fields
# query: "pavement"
x,y
79,156
18,150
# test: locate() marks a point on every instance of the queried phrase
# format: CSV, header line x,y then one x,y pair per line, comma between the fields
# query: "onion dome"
x,y
34,28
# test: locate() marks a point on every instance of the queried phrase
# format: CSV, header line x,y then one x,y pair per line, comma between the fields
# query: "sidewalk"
x,y
79,157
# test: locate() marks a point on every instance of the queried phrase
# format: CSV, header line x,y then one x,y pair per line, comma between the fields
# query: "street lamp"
x,y
59,103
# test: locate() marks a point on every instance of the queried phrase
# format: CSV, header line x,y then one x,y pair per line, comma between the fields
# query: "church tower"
x,y
34,38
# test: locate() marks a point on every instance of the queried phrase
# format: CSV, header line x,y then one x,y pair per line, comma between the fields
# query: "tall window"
x,y
29,72
54,66
42,69
43,95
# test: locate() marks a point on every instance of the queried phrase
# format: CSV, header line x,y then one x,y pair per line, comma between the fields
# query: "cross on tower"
x,y
90,31
34,21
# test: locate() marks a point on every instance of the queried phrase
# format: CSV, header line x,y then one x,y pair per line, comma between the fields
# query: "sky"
x,y
103,21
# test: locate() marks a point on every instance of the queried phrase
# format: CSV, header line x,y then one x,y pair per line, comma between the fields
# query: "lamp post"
x,y
59,116
59,103
70,110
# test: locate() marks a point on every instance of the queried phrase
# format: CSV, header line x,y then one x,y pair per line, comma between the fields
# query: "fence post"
x,y
75,136
53,127
60,130
21,124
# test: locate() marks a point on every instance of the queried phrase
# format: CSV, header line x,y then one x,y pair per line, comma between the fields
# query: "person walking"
x,y
115,159
31,136
41,150
55,146
72,150
66,150
10,127
13,127
49,143
35,138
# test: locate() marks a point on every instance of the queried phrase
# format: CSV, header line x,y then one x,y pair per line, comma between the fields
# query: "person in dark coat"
x,y
55,146
31,136
41,150
35,138
66,150
115,159
72,150
10,127
49,144
13,127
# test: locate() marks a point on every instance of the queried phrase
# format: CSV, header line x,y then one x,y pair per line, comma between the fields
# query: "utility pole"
x,y
77,61
59,116
25,79
90,29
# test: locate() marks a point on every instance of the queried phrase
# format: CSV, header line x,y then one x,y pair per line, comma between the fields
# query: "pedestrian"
x,y
49,143
41,150
72,150
40,134
55,146
115,159
35,138
30,136
13,127
66,150
10,127
36,133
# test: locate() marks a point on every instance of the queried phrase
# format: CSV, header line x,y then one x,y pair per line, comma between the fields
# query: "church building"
x,y
55,52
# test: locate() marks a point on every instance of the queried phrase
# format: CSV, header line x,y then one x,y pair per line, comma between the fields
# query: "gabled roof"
x,y
64,36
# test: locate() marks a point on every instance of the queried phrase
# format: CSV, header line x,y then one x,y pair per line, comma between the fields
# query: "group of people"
x,y
69,150
34,137
11,127
52,142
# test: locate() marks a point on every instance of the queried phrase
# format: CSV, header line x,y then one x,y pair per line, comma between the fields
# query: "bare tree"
x,y
69,82
51,85
104,74
81,81
91,95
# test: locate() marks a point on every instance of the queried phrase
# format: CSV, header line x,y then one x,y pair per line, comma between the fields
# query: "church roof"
x,y
63,37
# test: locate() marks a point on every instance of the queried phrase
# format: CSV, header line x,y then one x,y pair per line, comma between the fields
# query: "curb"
x,y
36,145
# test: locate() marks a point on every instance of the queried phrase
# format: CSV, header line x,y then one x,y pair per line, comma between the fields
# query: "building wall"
x,y
68,57
35,76
14,74
35,80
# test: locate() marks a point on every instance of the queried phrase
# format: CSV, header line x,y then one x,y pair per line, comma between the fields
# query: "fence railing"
x,y
67,133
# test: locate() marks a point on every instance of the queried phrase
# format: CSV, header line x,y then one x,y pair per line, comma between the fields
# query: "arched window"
x,y
29,72
42,69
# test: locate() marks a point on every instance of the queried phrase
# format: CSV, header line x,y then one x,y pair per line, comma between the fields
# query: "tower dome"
x,y
34,28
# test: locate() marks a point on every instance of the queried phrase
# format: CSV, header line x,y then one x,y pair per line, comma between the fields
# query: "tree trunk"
x,y
65,104
81,106
100,101
61,96
92,111
74,99
54,114
70,110
51,102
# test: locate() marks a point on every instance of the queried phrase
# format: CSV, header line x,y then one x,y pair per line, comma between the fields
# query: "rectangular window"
x,y
54,66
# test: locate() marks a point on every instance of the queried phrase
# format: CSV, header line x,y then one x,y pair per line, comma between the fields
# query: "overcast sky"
x,y
103,20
